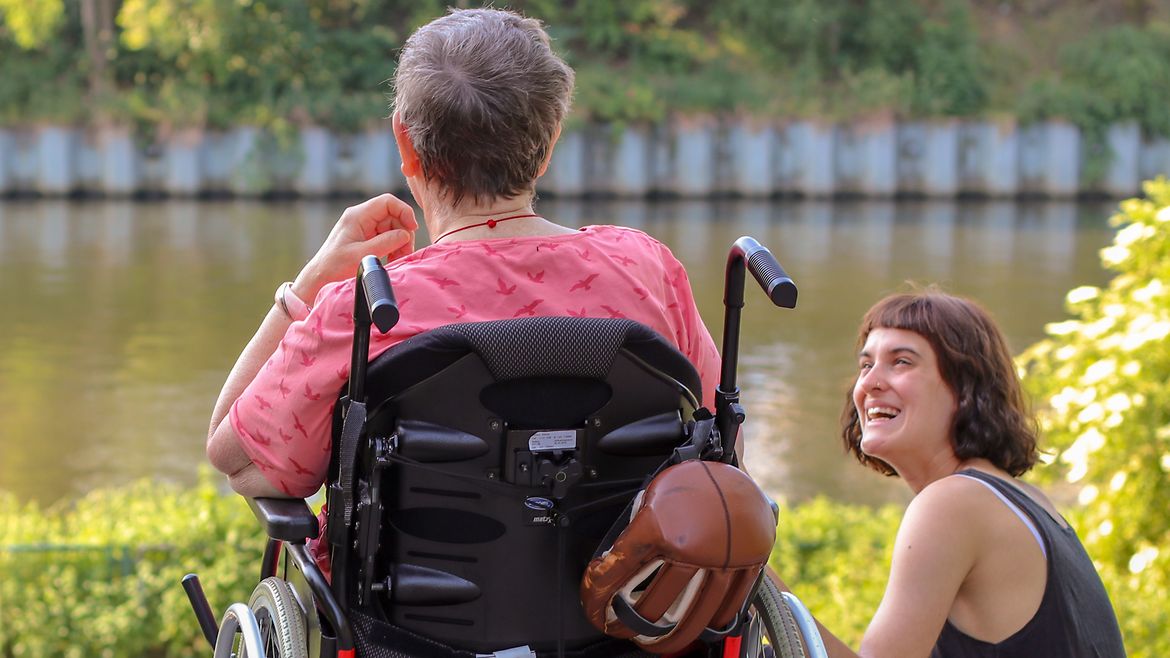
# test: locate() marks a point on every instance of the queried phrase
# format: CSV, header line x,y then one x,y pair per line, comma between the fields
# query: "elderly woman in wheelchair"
x,y
522,465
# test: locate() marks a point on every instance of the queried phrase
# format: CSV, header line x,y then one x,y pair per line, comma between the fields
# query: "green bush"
x,y
101,577
1118,74
836,558
1104,378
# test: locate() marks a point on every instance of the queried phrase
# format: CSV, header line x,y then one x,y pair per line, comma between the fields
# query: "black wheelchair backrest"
x,y
500,453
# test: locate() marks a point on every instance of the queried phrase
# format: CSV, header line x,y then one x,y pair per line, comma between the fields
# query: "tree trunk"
x,y
97,22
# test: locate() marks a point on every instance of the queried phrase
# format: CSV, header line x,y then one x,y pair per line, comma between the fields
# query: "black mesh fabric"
x,y
377,639
582,347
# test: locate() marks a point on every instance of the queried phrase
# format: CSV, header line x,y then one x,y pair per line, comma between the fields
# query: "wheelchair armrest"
x,y
286,519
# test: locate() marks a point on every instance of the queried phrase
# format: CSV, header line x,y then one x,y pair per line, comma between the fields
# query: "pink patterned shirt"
x,y
283,417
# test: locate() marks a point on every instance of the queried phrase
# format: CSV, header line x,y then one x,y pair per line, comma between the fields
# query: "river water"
x,y
121,319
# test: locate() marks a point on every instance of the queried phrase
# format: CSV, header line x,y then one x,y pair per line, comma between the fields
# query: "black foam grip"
x,y
772,278
379,295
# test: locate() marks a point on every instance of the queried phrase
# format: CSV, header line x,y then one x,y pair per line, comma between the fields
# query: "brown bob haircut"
x,y
992,420
482,95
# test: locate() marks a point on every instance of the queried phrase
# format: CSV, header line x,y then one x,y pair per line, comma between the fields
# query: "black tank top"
x,y
1075,618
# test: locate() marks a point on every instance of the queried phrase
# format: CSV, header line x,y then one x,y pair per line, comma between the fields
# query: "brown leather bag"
x,y
697,541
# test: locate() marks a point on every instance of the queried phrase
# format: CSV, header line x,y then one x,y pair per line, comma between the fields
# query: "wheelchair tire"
x,y
773,631
281,621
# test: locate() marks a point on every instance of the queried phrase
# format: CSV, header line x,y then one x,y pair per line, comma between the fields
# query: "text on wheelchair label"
x,y
553,440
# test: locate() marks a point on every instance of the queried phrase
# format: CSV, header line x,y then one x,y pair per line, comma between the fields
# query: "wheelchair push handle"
x,y
767,271
373,304
380,302
746,254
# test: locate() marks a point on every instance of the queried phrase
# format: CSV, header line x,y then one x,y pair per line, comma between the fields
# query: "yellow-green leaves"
x,y
32,22
1101,381
101,577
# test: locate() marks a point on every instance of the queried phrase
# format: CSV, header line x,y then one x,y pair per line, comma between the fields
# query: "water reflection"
x,y
122,319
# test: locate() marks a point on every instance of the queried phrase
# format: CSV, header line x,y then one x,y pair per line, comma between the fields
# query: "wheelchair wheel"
x,y
282,624
774,629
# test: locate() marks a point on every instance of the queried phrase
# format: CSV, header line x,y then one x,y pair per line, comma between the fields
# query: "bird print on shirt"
x,y
503,288
613,312
442,281
584,284
528,309
300,470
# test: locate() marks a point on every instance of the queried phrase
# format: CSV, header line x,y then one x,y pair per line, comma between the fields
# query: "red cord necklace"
x,y
491,223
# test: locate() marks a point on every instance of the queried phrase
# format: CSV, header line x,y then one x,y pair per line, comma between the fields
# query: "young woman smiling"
x,y
983,564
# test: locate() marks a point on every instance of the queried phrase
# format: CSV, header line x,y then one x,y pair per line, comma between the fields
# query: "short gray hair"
x,y
482,94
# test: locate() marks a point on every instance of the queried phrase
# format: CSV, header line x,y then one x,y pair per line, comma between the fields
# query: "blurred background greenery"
x,y
165,64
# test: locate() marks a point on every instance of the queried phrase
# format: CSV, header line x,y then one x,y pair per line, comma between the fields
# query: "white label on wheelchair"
x,y
553,440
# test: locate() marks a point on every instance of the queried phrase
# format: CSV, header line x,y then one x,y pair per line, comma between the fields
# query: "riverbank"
x,y
696,157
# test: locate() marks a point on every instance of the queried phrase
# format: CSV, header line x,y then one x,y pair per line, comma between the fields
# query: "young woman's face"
x,y
905,407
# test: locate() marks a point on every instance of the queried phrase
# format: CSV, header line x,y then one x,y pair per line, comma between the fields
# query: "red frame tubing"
x,y
731,646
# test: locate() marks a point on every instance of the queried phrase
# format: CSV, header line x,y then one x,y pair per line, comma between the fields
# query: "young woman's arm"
x,y
936,547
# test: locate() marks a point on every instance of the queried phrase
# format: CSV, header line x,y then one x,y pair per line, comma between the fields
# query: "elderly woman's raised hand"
x,y
384,225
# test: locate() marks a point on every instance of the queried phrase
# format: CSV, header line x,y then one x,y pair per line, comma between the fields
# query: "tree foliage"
x,y
280,63
31,22
1104,379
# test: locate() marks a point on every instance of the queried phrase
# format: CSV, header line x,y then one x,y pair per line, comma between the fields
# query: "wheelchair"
x,y
475,469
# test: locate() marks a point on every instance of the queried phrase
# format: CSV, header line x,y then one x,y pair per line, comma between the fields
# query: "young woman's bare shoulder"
x,y
950,502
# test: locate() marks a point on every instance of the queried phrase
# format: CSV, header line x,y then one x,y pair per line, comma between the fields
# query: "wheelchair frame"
x,y
289,523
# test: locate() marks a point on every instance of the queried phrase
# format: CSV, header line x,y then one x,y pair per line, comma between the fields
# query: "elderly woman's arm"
x,y
384,225
223,444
